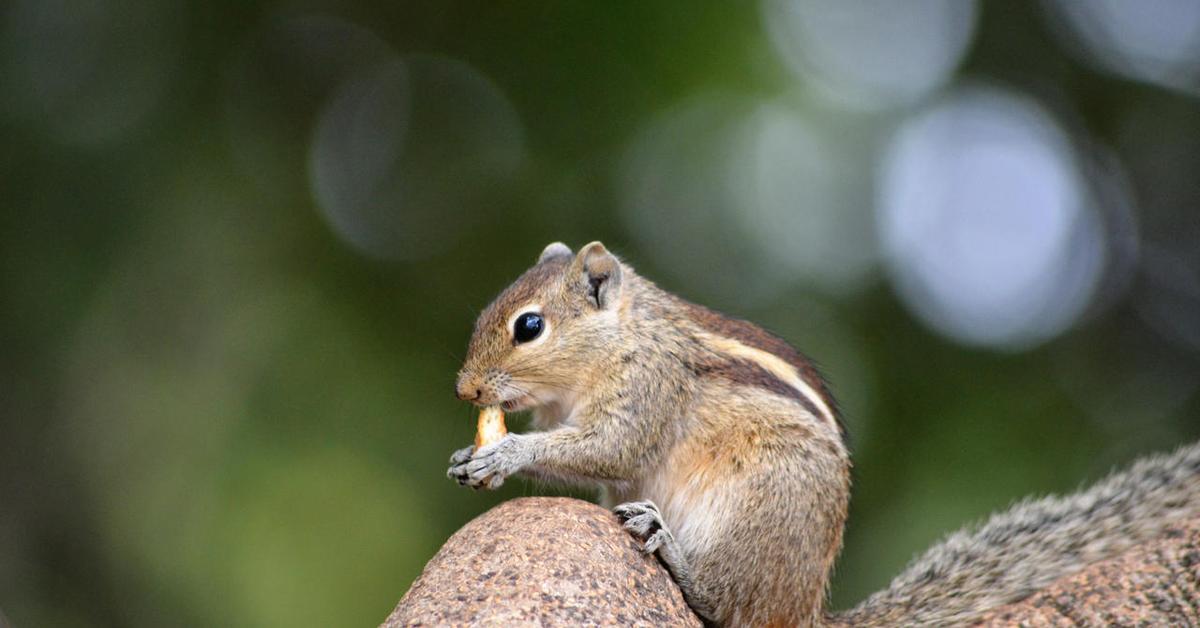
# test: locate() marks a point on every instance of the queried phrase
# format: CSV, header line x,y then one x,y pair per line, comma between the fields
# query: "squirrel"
x,y
719,447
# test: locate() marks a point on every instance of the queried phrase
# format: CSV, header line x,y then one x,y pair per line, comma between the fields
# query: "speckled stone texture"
x,y
1155,584
548,561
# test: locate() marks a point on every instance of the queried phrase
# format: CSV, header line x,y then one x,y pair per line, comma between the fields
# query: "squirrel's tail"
x,y
1036,542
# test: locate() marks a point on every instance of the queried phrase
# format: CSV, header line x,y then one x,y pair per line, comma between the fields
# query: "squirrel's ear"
x,y
600,272
553,250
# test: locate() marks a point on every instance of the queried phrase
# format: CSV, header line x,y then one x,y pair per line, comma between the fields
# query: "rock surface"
x,y
1155,584
554,561
549,561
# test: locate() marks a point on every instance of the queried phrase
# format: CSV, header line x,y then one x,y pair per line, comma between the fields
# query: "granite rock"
x,y
554,561
548,561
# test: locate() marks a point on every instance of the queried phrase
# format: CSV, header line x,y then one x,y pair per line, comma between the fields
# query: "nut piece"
x,y
491,427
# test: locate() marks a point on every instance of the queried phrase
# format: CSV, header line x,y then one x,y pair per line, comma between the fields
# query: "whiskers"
x,y
562,384
522,391
534,371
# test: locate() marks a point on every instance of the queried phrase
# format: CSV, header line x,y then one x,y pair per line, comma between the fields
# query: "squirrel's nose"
x,y
467,391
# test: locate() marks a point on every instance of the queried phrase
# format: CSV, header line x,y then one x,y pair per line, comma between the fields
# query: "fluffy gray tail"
x,y
1036,542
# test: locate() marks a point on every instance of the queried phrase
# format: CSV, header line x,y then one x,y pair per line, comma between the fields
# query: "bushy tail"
x,y
1036,542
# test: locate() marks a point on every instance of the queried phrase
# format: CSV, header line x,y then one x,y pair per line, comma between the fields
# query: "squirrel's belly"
x,y
694,505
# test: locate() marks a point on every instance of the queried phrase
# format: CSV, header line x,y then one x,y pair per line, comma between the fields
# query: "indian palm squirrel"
x,y
723,448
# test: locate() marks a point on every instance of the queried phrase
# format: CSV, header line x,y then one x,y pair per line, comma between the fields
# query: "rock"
x,y
555,561
1154,584
549,561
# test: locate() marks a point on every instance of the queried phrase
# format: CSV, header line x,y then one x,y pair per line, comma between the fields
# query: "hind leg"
x,y
644,521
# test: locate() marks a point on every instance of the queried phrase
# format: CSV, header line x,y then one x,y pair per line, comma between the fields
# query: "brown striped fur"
x,y
746,373
750,334
641,398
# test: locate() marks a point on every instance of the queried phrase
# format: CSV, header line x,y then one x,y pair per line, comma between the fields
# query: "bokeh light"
x,y
764,181
1157,41
190,416
278,80
1160,144
676,199
1131,384
986,220
871,54
1171,292
794,194
407,154
349,514
89,70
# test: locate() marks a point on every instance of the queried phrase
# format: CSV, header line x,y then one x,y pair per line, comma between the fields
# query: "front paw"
x,y
644,521
489,466
458,465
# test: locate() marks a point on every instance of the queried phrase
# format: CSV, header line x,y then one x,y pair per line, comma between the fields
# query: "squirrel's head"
x,y
536,343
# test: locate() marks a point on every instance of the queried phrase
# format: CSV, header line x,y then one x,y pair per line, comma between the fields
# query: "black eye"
x,y
527,327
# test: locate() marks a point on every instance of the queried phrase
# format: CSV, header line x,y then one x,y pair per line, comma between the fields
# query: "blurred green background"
x,y
243,245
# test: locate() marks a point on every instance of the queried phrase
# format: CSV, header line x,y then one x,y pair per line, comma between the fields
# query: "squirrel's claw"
x,y
458,465
656,540
461,456
488,466
644,521
458,473
643,525
628,510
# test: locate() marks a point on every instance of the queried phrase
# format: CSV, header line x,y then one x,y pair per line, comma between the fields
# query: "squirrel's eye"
x,y
528,326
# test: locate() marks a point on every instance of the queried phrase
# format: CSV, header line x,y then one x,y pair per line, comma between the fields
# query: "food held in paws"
x,y
491,427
